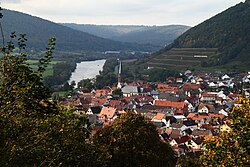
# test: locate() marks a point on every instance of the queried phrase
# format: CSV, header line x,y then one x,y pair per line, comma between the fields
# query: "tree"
x,y
187,161
131,140
21,88
117,92
231,148
35,131
86,83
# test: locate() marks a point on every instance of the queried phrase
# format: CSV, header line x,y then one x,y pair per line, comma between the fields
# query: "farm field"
x,y
49,70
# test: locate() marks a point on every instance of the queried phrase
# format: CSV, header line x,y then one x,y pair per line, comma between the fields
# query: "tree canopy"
x,y
33,129
131,140
231,148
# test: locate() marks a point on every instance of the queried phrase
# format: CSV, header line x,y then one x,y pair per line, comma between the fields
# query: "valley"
x,y
82,94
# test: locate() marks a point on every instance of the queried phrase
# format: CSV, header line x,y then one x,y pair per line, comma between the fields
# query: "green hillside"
x,y
225,37
178,58
39,30
154,35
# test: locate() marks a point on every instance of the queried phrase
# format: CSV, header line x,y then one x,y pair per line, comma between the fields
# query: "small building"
x,y
129,91
205,108
179,80
107,114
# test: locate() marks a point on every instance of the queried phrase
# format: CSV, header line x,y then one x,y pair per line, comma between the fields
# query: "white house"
x,y
191,108
225,77
129,91
194,144
223,112
213,85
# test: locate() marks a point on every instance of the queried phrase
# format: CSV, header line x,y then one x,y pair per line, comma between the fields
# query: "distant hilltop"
x,y
221,40
155,35
39,31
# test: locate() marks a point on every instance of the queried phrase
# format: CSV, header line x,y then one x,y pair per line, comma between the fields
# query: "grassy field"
x,y
49,71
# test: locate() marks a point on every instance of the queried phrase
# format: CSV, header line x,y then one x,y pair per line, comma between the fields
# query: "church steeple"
x,y
120,77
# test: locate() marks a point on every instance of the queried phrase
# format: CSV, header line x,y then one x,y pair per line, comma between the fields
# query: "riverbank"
x,y
87,70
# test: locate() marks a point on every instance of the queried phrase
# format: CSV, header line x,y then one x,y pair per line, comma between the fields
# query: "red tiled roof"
x,y
183,139
191,115
101,92
191,86
160,86
208,95
221,116
159,116
178,105
108,111
200,117
98,101
127,99
114,103
166,88
210,115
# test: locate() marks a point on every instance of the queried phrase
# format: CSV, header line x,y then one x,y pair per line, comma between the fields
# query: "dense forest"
x,y
154,35
227,31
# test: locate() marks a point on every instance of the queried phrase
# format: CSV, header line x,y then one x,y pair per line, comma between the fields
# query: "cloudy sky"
x,y
120,12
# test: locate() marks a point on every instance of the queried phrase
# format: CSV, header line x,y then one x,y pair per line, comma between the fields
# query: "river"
x,y
86,69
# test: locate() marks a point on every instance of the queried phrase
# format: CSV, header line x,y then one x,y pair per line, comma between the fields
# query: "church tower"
x,y
120,77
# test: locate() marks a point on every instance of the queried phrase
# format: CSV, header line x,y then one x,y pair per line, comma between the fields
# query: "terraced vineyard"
x,y
178,58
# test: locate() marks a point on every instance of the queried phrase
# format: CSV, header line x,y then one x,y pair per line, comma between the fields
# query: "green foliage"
x,y
107,76
56,140
61,74
117,92
131,140
161,74
20,86
227,31
35,131
188,162
86,83
233,148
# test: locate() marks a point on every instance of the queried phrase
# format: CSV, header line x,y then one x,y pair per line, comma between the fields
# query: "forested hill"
x,y
155,35
227,32
39,30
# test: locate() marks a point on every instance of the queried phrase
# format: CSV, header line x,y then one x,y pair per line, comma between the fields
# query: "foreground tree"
x,y
21,88
231,149
131,140
34,130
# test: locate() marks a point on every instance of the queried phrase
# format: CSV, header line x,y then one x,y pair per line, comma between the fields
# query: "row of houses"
x,y
186,114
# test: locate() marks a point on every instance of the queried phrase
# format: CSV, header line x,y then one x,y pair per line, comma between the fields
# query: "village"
x,y
186,111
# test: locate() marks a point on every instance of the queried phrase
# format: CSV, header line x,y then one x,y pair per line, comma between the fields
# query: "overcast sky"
x,y
122,12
